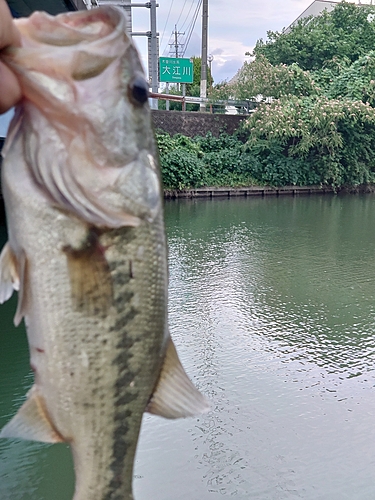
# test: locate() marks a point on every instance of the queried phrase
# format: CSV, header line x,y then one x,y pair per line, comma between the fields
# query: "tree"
x,y
348,31
261,78
356,82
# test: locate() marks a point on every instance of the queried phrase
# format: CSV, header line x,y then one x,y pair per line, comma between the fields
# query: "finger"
x,y
9,34
10,90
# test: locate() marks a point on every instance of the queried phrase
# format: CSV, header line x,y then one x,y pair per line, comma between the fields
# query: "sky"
x,y
234,26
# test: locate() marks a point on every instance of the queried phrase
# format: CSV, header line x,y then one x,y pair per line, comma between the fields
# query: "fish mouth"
x,y
66,30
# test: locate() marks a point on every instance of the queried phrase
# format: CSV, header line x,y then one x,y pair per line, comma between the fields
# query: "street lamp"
x,y
210,58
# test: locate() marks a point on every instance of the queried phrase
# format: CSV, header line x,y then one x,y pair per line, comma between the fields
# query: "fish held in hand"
x,y
87,247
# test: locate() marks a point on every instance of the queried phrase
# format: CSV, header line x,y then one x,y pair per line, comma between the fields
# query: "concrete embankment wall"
x,y
264,191
194,123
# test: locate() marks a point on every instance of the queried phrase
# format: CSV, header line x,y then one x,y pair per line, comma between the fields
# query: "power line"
x,y
182,10
194,20
187,16
189,29
166,22
172,34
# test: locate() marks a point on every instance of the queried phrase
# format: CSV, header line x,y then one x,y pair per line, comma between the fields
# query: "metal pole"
x,y
167,92
203,92
153,55
128,10
184,95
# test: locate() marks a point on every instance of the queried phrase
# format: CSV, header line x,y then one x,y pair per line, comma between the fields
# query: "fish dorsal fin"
x,y
32,422
9,278
175,395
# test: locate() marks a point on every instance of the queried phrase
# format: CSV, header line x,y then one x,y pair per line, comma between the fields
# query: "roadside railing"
x,y
246,106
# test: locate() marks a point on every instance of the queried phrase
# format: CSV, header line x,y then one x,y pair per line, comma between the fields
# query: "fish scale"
x,y
87,248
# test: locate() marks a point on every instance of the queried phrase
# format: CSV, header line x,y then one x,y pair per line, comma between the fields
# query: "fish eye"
x,y
138,90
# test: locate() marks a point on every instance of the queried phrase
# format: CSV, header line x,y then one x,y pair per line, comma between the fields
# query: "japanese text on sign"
x,y
176,69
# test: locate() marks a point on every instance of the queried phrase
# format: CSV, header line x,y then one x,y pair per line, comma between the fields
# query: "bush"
x,y
313,140
356,82
182,169
203,161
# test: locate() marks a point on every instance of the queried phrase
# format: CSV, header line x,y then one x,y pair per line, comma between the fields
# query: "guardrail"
x,y
247,105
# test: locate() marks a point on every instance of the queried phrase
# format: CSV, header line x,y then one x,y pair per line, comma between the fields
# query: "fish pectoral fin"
x,y
13,276
32,422
9,278
22,266
175,395
90,277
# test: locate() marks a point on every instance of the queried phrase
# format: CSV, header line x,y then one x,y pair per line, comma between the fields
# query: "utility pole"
x,y
203,92
175,46
154,53
176,40
126,5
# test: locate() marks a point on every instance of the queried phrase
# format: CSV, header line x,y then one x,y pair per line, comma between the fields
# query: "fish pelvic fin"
x,y
32,421
9,278
175,396
90,277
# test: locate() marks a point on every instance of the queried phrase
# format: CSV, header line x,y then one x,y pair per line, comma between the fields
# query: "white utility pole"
x,y
203,92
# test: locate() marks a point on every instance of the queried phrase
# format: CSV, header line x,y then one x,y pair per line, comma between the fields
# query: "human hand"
x,y
10,90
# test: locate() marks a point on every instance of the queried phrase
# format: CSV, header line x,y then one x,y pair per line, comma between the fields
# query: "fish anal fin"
x,y
90,277
32,422
175,396
9,278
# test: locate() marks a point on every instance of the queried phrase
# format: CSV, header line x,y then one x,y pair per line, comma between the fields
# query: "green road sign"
x,y
176,69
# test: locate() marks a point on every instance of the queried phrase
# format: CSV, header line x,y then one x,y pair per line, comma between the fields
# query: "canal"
x,y
272,308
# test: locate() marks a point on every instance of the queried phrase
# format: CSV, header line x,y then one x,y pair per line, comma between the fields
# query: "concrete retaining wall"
x,y
227,192
195,123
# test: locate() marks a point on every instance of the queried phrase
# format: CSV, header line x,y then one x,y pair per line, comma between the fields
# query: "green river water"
x,y
272,308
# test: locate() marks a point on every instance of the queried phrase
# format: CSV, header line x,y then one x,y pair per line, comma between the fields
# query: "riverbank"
x,y
229,192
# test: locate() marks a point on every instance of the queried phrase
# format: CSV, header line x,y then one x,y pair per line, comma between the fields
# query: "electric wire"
x,y
187,15
166,22
194,20
182,10
190,27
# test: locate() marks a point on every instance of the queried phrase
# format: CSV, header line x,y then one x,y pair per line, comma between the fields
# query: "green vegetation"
x,y
204,161
314,140
344,32
316,121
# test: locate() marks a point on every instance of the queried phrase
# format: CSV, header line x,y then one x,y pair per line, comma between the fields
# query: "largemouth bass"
x,y
87,248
